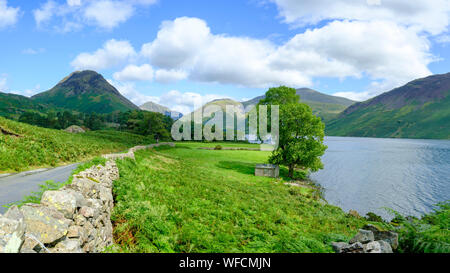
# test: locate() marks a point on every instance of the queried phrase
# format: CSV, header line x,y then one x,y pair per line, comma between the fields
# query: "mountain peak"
x,y
86,91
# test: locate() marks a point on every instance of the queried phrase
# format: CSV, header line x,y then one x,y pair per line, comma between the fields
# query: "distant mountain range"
x,y
419,109
323,105
157,108
85,91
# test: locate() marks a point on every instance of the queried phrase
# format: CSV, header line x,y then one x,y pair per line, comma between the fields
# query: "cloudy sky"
x,y
176,52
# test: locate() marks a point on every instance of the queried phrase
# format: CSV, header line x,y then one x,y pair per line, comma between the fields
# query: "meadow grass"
x,y
186,200
35,147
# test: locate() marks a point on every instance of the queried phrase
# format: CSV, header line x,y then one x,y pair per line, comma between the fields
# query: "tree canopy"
x,y
301,132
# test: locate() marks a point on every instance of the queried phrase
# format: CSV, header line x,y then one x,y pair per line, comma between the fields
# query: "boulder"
x,y
354,248
45,224
378,247
67,246
74,129
363,236
11,235
63,201
339,246
387,236
87,187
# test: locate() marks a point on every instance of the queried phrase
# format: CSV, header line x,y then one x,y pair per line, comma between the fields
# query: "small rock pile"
x,y
369,239
74,219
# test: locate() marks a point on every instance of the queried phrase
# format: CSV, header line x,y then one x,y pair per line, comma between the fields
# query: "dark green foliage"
x,y
218,147
279,96
301,132
370,216
430,234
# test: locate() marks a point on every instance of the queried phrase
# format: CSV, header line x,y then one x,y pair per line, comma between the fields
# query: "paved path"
x,y
15,187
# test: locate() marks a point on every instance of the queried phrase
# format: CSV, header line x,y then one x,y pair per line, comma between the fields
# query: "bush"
x,y
218,147
430,234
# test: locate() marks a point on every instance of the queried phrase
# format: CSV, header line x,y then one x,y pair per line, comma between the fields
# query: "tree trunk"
x,y
291,171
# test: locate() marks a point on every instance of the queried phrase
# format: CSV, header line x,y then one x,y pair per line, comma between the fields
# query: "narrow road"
x,y
15,187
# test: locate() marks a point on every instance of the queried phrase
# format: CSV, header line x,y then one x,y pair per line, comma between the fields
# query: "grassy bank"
x,y
25,147
185,199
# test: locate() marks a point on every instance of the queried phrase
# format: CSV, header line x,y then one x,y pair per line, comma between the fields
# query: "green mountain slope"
x,y
85,91
12,106
323,105
419,109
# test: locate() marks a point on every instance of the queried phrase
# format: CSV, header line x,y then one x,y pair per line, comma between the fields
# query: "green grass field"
x,y
34,147
185,199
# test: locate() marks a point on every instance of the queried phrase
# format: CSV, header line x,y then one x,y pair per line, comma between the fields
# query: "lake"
x,y
367,174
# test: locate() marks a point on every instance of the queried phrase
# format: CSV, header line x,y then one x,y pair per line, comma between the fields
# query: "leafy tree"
x,y
280,96
301,139
301,132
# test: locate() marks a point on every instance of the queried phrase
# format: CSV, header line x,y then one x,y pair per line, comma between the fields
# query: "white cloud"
x,y
31,51
175,100
113,53
386,53
8,15
108,14
135,73
443,39
170,76
424,15
356,96
381,50
187,44
128,89
75,14
185,102
177,43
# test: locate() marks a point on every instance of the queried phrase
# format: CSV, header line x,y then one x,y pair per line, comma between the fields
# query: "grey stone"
x,y
338,246
363,236
388,236
67,246
385,247
63,201
45,224
11,235
14,213
87,212
354,248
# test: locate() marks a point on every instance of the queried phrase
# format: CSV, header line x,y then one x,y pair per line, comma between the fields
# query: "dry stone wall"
x,y
74,219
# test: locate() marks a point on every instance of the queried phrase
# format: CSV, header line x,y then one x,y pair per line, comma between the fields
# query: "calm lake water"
x,y
367,174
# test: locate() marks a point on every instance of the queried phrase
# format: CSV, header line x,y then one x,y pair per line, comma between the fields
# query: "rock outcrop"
x,y
74,129
369,239
74,219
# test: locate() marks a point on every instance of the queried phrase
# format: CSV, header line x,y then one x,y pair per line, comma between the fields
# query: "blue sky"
x,y
175,52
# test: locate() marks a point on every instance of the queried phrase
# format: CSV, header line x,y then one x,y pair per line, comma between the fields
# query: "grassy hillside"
x,y
85,91
24,146
13,106
420,109
185,199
